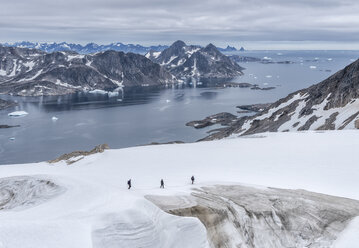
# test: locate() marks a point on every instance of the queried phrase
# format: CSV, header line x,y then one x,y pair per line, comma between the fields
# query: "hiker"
x,y
129,184
162,184
192,179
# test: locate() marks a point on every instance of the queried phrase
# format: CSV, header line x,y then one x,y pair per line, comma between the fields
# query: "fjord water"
x,y
140,117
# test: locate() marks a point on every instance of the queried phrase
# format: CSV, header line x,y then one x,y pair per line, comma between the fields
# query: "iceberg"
x,y
18,113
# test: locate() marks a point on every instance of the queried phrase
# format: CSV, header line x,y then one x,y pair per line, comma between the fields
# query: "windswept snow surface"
x,y
95,208
349,237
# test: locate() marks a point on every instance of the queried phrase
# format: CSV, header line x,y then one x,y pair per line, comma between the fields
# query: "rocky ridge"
x,y
31,72
329,105
185,61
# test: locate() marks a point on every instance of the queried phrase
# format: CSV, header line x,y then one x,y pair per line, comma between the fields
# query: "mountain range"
x,y
31,72
186,61
94,48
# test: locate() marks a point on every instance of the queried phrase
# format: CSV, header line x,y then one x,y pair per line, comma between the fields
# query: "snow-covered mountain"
x,y
245,195
31,72
328,105
195,61
86,49
94,48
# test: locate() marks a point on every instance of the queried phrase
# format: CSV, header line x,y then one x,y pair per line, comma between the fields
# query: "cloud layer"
x,y
163,21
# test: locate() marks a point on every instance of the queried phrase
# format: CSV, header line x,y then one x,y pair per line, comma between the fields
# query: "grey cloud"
x,y
162,21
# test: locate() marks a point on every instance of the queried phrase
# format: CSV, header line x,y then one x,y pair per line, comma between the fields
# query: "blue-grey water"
x,y
141,117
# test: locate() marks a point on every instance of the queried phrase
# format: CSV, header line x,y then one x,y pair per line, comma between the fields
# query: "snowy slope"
x,y
332,104
87,203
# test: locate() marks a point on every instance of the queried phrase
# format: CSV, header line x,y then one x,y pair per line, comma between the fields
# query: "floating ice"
x,y
112,94
269,76
265,83
54,118
312,67
12,138
98,92
329,59
168,100
18,113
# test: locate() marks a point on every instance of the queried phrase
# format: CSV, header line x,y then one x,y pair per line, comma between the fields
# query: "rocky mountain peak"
x,y
211,47
193,61
178,44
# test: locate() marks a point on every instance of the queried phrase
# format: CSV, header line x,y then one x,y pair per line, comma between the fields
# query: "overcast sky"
x,y
255,24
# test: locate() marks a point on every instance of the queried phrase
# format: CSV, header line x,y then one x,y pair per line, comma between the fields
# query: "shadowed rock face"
x,y
331,104
30,72
238,216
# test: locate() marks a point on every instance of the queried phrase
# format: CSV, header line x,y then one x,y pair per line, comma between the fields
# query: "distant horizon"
x,y
247,45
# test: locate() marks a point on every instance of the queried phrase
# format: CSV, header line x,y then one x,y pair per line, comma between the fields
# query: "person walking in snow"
x,y
129,184
162,184
192,179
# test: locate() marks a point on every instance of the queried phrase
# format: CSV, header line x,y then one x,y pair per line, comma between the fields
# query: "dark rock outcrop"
x,y
7,126
224,119
73,157
254,107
